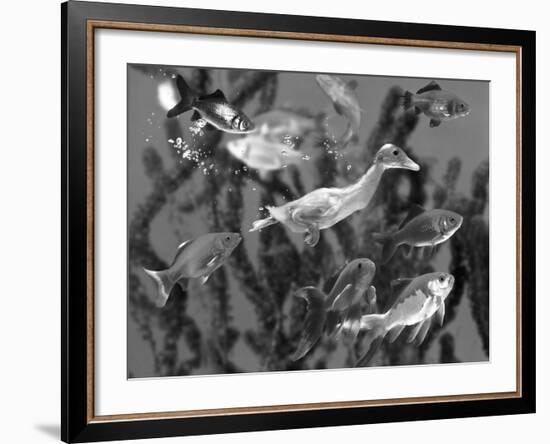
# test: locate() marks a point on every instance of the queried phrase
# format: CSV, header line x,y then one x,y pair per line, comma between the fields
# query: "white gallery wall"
x,y
30,219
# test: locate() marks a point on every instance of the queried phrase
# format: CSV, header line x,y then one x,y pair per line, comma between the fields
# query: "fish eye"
x,y
227,238
359,265
395,152
452,220
442,278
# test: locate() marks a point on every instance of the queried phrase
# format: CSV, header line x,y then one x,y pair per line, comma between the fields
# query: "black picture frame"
x,y
76,423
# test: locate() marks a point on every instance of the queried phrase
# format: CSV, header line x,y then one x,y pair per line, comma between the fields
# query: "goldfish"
x,y
260,152
344,101
213,109
436,103
195,258
324,207
419,300
420,228
325,312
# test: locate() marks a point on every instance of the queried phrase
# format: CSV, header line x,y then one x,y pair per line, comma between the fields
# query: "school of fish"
x,y
346,304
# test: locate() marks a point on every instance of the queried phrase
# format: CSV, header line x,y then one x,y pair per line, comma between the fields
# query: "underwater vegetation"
x,y
268,267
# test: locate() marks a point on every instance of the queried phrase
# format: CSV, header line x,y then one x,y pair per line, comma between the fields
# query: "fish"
x,y
326,312
212,108
419,301
261,153
195,258
344,101
436,103
283,123
322,208
420,228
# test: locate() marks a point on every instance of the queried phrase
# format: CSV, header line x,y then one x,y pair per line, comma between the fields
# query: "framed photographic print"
x,y
276,221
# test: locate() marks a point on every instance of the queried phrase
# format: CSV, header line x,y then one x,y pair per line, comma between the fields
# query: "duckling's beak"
x,y
409,164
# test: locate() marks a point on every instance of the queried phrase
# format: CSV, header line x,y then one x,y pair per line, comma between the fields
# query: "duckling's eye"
x,y
395,152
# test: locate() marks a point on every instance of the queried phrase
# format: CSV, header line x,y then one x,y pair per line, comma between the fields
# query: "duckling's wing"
x,y
314,206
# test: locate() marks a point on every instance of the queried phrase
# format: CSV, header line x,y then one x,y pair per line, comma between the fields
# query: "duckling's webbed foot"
x,y
313,234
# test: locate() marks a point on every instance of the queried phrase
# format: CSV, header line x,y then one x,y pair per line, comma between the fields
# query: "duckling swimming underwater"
x,y
324,207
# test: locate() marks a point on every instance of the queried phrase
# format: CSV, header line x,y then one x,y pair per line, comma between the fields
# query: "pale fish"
x,y
259,152
344,101
418,301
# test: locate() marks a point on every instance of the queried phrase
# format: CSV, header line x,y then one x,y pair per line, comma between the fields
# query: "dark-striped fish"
x,y
436,103
196,258
418,301
213,108
420,228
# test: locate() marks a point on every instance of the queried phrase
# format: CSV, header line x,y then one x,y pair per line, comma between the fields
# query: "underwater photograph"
x,y
282,221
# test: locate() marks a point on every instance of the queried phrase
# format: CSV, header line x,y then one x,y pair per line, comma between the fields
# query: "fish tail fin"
x,y
187,98
407,100
332,320
263,223
348,136
164,283
388,245
314,322
376,326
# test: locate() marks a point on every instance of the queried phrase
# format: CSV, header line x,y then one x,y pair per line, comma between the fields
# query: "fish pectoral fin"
x,y
417,110
432,86
313,235
338,108
339,303
414,332
434,123
395,332
370,296
213,261
440,314
204,279
423,332
195,116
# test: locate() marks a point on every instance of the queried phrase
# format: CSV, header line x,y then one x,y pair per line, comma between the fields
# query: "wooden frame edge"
x,y
91,25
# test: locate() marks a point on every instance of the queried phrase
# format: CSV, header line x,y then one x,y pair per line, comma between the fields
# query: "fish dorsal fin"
x,y
331,281
352,84
413,212
432,86
218,94
398,285
181,248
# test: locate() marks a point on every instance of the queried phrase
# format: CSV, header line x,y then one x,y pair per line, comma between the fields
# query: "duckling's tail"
x,y
262,223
